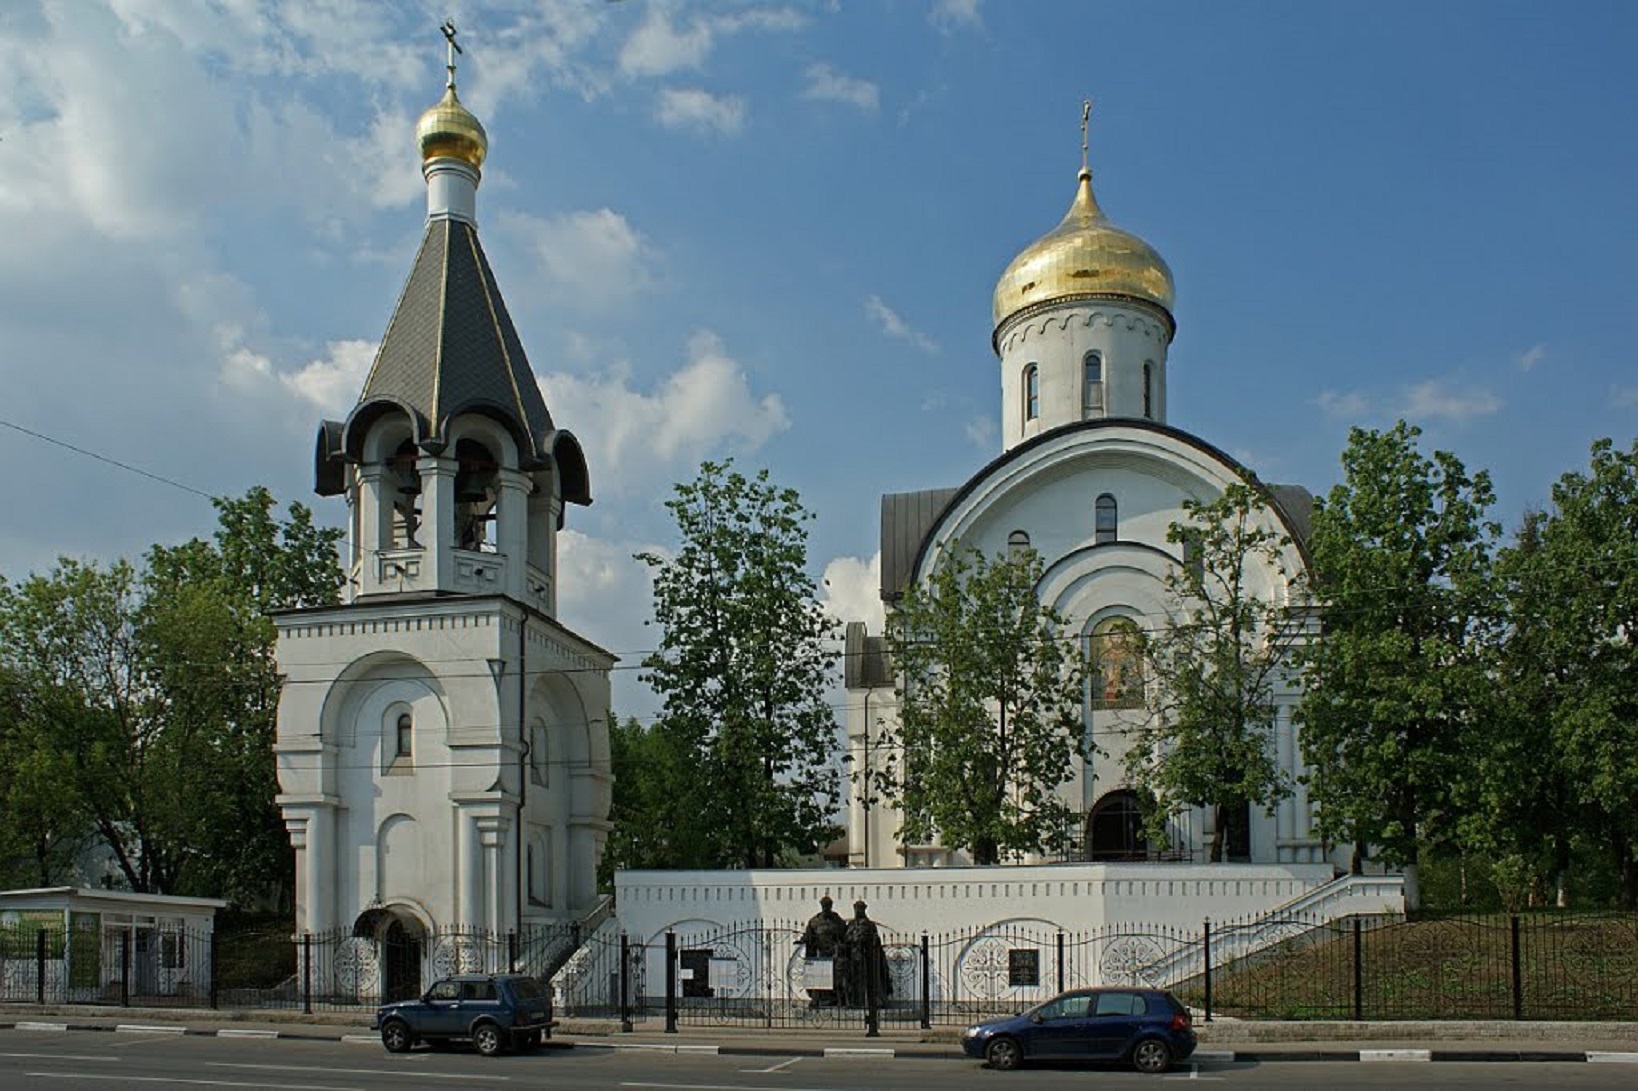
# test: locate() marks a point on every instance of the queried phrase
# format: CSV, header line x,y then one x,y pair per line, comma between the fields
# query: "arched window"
x,y
1032,392
475,496
1117,664
1104,519
1148,390
1092,382
1114,829
1017,543
404,736
404,481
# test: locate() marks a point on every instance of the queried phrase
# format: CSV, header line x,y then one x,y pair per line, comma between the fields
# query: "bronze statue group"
x,y
859,974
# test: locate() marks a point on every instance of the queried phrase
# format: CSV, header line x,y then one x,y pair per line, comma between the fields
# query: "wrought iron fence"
x,y
1535,966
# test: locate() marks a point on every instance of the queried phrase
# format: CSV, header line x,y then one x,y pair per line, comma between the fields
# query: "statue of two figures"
x,y
852,952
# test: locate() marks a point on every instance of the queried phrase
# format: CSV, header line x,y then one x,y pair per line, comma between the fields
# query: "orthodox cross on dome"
x,y
454,47
1086,119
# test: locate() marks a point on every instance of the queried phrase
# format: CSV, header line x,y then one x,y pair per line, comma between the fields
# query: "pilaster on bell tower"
x,y
442,740
1083,322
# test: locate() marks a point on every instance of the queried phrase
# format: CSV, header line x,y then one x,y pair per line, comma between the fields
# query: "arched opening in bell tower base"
x,y
397,933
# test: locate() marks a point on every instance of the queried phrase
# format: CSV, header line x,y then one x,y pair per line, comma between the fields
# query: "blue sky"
x,y
771,231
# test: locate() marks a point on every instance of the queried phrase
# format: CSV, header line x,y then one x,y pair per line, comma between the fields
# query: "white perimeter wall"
x,y
909,901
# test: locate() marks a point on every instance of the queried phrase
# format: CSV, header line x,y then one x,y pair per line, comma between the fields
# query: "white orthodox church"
x,y
1091,476
442,743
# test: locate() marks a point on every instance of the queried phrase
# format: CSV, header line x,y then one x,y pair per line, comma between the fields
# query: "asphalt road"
x,y
101,1061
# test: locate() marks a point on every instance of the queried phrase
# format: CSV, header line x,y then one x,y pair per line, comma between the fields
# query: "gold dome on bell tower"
x,y
1085,256
448,130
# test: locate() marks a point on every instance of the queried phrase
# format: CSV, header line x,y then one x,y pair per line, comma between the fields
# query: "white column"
x,y
512,530
1286,819
296,825
437,522
471,912
492,834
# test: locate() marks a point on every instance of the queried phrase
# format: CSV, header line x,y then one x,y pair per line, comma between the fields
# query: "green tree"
x,y
1573,584
991,700
148,700
742,669
1394,689
1212,671
651,826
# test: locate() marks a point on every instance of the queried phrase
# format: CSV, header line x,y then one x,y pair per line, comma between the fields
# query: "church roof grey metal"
x,y
451,348
906,519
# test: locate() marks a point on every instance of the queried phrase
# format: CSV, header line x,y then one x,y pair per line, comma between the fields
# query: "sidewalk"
x,y
1222,1041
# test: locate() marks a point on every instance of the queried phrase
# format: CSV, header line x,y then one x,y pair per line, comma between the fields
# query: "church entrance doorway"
x,y
400,944
1114,829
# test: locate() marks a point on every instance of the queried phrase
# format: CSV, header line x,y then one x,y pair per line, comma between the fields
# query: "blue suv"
x,y
1147,1028
493,1011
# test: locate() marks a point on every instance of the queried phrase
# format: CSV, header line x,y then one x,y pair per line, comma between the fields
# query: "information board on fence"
x,y
819,973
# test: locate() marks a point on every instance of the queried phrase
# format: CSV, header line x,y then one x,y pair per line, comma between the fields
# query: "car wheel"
x,y
488,1039
396,1036
1004,1054
1151,1055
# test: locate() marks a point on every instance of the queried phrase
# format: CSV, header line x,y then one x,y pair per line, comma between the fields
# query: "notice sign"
x,y
1023,967
819,973
724,974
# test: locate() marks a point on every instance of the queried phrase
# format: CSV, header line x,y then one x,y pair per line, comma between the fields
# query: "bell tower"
x,y
442,738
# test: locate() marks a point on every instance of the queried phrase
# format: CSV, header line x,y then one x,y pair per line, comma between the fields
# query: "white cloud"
x,y
703,407
606,594
894,326
1347,405
656,48
950,16
981,432
692,108
852,591
331,383
825,84
1436,399
1530,357
1624,396
592,256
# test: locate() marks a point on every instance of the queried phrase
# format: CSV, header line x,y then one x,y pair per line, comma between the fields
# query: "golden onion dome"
x,y
1085,255
449,130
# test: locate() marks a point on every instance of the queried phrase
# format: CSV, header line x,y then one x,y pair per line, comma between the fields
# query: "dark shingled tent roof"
x,y
451,348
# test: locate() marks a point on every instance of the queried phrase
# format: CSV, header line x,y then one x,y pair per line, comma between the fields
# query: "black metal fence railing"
x,y
1534,966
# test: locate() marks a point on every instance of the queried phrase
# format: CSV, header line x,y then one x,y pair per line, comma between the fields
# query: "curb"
x,y
923,1052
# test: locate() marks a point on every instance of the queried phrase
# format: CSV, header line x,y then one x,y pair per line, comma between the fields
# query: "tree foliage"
x,y
147,701
1572,581
991,700
1214,668
1402,550
743,666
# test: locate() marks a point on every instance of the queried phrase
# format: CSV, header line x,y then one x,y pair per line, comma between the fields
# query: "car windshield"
x,y
526,988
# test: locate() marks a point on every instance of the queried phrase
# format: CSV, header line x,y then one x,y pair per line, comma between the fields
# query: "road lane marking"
x,y
99,1058
774,1068
357,1071
858,1051
1396,1054
174,1081
718,1087
138,1028
42,1026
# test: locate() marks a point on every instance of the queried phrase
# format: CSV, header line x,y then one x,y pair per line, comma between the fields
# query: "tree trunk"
x,y
1215,855
986,851
1413,887
1356,863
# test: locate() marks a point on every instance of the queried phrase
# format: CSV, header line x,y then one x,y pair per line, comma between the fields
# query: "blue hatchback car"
x,y
1147,1028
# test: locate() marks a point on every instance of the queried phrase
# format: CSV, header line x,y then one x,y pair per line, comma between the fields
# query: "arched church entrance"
x,y
401,942
1114,829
